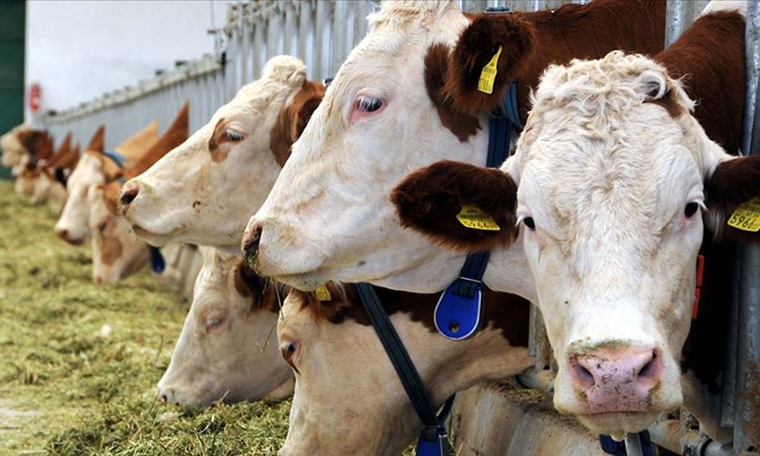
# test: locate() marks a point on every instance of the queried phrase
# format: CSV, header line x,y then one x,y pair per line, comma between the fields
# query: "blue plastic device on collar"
x,y
458,313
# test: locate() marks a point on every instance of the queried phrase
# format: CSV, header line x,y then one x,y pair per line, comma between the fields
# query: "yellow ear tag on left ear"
x,y
488,75
473,217
323,294
746,217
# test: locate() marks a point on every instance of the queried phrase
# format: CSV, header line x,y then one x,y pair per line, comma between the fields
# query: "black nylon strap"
x,y
401,361
471,274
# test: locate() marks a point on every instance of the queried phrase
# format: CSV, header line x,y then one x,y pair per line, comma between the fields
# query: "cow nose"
x,y
128,195
63,234
251,241
616,381
165,395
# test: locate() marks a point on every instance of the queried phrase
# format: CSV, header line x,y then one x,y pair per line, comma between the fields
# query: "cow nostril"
x,y
649,370
581,374
128,195
252,243
63,234
162,398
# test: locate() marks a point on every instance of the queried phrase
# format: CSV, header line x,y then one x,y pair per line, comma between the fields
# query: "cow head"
x,y
615,183
115,253
14,150
227,349
72,225
204,190
348,397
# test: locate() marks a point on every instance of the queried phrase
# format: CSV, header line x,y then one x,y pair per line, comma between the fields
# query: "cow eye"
x,y
213,323
691,209
528,221
234,136
367,104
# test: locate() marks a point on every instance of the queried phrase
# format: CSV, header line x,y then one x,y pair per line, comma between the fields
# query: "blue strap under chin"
x,y
157,262
119,160
612,447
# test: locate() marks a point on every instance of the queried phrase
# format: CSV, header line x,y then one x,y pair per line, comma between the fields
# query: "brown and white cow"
x,y
94,167
228,349
406,97
348,398
115,252
610,184
204,191
36,148
50,185
14,152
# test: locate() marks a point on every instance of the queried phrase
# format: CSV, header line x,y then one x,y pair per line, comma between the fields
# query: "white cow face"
x,y
73,224
13,149
204,190
611,196
227,349
610,182
115,253
348,398
328,216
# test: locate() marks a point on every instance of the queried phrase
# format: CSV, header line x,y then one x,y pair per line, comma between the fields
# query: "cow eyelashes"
x,y
366,104
234,136
212,323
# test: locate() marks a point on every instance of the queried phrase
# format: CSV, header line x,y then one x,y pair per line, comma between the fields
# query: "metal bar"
x,y
747,410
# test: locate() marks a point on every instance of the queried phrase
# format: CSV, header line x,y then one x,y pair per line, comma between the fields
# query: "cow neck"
x,y
458,314
433,440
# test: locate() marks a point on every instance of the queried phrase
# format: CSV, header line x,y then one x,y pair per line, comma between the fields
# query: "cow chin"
x,y
618,425
152,238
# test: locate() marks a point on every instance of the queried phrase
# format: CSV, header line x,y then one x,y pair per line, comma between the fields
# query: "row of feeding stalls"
x,y
322,34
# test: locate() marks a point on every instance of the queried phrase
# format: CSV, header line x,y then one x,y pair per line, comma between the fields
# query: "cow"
x,y
611,188
393,107
22,145
36,149
95,167
14,152
203,191
228,349
115,252
50,184
348,398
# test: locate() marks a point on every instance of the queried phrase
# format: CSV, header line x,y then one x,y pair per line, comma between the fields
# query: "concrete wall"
x,y
77,50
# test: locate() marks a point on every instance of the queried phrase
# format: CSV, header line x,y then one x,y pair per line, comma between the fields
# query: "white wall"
x,y
78,50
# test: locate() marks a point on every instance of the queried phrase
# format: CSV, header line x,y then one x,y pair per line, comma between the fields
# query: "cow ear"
x,y
734,182
310,98
251,285
477,46
97,142
436,201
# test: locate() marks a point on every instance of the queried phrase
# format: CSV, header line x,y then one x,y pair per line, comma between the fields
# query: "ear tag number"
x,y
323,294
746,217
472,217
488,75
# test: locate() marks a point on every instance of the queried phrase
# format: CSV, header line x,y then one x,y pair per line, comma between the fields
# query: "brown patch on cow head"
x,y
38,143
292,119
674,109
176,134
97,142
111,248
264,293
429,200
476,47
461,124
217,154
734,182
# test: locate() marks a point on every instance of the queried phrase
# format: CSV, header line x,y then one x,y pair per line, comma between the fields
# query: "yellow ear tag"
x,y
488,75
473,217
323,294
746,217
